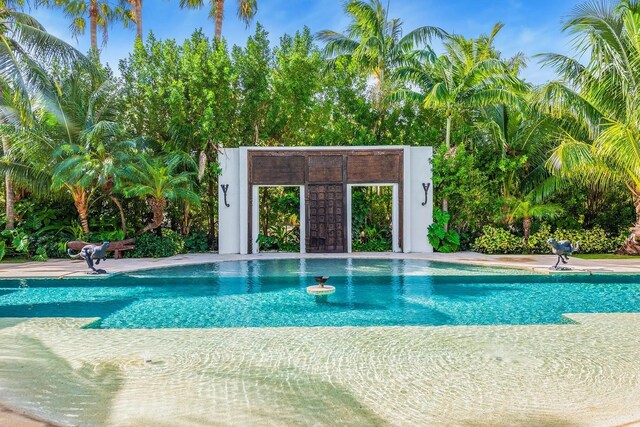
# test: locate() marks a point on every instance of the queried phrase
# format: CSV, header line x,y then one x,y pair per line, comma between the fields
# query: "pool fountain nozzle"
x,y
321,280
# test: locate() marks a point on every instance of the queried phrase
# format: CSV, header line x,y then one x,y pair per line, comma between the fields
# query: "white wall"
x,y
417,218
233,220
229,237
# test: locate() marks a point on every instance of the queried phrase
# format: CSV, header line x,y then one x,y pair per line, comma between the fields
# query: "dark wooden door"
x,y
325,218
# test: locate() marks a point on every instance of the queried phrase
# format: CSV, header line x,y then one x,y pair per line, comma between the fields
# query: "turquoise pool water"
x,y
273,293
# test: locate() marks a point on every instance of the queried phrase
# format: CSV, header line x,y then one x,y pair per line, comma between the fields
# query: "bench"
x,y
116,247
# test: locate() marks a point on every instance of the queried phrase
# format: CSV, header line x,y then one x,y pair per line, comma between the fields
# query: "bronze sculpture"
x,y
89,253
563,249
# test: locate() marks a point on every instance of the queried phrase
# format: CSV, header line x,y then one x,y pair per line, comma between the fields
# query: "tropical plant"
x,y
599,102
440,237
95,147
101,14
375,44
526,210
469,74
159,180
25,50
247,9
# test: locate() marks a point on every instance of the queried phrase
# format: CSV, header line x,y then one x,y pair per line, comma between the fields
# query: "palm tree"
x,y
376,46
246,11
469,75
136,6
599,102
25,49
95,148
526,210
160,180
100,13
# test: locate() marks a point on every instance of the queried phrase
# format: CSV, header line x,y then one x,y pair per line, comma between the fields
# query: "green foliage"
x,y
441,239
105,142
497,241
18,240
150,245
500,241
196,242
40,254
371,219
279,222
3,249
458,175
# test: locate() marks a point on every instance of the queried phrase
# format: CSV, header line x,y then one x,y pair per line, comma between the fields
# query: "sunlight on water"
x,y
369,292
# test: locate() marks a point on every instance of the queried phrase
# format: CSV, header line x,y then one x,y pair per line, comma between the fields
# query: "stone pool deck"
x,y
535,263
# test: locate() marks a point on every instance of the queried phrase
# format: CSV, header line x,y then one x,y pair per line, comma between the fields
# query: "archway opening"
x,y
372,218
279,218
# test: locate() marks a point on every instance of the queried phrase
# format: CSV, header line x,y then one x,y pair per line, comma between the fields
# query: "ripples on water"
x,y
273,293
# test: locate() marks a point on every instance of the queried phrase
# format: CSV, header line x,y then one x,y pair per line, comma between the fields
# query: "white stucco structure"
x,y
233,228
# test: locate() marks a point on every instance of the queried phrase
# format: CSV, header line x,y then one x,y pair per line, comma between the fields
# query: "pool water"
x,y
272,293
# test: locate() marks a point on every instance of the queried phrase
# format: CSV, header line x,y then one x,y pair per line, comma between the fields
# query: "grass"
x,y
602,256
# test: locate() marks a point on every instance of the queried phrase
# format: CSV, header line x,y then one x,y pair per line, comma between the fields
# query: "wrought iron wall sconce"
x,y
426,192
225,188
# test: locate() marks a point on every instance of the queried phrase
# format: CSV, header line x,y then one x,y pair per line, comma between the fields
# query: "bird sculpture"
x,y
563,249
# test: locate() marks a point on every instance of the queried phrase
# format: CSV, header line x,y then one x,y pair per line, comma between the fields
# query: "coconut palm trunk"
x,y
137,5
447,137
632,245
526,227
157,207
93,25
219,16
9,193
81,201
123,220
448,133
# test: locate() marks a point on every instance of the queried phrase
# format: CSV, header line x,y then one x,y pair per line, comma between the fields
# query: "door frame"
x,y
395,214
255,216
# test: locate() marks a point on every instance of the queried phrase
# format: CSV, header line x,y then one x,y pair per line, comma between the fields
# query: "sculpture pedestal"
x,y
321,292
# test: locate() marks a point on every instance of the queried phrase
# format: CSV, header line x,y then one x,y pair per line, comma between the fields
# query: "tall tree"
x,y
93,147
25,50
247,9
376,45
470,74
599,102
101,14
253,64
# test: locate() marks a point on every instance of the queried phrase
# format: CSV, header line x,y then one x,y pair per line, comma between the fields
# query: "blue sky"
x,y
530,26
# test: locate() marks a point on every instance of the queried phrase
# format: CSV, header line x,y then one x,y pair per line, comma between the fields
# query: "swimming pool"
x,y
272,293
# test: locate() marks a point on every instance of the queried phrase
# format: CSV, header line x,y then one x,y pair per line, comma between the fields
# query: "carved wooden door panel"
x,y
326,218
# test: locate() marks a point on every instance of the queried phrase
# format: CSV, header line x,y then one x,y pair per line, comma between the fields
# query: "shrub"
x,y
105,236
443,240
196,242
53,245
40,255
497,241
594,241
150,245
500,241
